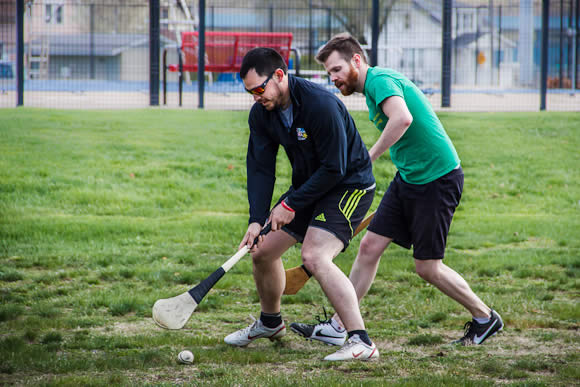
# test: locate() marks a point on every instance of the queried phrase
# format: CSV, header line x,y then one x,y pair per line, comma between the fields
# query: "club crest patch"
x,y
301,134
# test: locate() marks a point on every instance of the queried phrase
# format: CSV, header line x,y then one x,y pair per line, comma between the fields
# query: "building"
x,y
411,42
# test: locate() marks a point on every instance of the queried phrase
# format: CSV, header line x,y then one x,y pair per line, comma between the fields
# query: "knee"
x,y
371,248
427,270
259,257
370,251
312,260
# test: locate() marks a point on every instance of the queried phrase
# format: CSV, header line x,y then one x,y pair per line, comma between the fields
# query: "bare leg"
x,y
268,269
452,284
364,268
319,249
366,264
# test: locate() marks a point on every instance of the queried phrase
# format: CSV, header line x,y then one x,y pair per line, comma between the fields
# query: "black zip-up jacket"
x,y
323,146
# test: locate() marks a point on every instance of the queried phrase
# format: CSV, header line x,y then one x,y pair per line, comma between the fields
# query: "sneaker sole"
x,y
374,358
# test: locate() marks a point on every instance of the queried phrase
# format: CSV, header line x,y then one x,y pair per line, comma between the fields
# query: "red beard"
x,y
350,82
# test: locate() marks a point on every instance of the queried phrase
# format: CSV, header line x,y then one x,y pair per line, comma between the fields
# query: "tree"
x,y
356,20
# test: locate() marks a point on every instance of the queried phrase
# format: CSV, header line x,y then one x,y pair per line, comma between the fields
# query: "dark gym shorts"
x,y
339,212
419,215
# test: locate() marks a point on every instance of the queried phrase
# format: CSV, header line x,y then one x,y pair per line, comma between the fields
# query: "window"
x,y
58,14
53,13
467,22
420,57
48,13
499,55
407,58
407,21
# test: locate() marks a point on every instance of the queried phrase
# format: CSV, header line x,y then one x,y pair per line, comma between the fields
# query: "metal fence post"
x,y
491,37
570,39
446,55
576,44
375,34
499,49
19,52
92,41
154,40
477,36
328,23
201,54
544,55
310,34
561,47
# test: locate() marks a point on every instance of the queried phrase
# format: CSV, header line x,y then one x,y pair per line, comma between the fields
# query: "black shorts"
x,y
340,211
419,215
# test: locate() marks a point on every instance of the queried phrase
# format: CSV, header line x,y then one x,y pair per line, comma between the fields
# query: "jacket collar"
x,y
292,87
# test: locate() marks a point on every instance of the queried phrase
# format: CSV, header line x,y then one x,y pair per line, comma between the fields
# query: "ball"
x,y
185,357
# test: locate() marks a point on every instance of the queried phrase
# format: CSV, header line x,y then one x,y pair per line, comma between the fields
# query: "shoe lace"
x,y
467,329
351,342
326,319
249,328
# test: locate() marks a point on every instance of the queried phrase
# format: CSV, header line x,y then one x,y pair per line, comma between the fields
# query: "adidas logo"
x,y
321,217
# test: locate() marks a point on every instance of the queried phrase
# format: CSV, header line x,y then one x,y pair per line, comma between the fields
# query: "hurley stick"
x,y
173,313
297,277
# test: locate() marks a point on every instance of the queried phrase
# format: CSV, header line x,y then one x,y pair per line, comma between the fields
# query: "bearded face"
x,y
347,85
342,73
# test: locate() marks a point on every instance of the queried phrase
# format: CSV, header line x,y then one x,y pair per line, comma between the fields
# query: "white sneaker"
x,y
324,331
355,349
255,331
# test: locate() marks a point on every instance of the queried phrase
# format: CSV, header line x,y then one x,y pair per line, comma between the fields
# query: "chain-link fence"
x,y
79,54
7,52
95,53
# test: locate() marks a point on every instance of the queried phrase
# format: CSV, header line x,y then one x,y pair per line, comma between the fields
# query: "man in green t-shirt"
x,y
419,204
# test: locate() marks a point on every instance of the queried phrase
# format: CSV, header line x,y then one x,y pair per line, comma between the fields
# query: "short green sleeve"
x,y
378,87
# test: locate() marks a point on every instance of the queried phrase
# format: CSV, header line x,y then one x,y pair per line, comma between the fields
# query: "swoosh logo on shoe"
x,y
355,355
319,333
478,339
263,334
255,337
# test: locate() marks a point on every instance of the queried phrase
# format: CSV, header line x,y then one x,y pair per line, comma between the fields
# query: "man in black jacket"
x,y
332,189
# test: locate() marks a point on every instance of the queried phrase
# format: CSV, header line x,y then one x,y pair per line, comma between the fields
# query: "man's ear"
x,y
356,60
279,74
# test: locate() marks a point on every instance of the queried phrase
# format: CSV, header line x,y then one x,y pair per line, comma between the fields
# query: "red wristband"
x,y
286,206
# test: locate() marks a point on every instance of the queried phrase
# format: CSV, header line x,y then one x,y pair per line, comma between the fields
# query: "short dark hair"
x,y
344,44
264,60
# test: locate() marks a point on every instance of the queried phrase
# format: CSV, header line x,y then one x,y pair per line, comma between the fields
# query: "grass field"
x,y
102,213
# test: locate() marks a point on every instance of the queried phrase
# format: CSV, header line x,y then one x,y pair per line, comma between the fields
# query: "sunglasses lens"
x,y
258,90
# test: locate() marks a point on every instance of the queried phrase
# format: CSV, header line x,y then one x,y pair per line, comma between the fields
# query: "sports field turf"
x,y
102,213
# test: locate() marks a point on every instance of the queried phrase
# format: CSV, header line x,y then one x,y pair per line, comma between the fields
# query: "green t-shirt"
x,y
425,152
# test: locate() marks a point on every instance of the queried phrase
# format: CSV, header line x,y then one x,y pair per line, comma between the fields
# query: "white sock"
x,y
482,320
336,325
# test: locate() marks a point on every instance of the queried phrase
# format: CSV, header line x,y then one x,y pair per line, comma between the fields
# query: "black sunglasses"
x,y
259,90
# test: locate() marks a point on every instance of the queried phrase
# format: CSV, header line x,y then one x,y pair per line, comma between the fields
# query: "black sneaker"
x,y
476,333
324,331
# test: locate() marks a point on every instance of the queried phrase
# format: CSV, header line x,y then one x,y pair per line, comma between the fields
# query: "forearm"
x,y
314,188
393,131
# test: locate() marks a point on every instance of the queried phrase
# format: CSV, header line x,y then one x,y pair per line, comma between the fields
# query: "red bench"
x,y
224,52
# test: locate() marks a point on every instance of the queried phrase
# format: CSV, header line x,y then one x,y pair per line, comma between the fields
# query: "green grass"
x,y
104,212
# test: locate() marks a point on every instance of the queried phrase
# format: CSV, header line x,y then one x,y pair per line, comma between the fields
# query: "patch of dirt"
x,y
144,326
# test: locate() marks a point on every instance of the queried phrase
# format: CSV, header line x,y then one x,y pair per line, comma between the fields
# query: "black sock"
x,y
363,336
271,320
